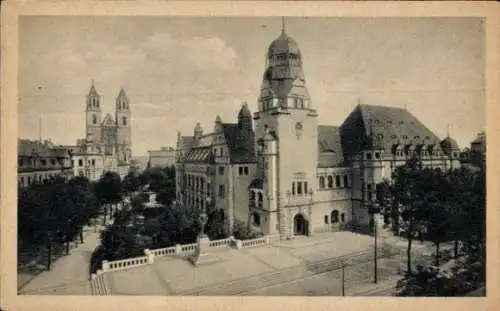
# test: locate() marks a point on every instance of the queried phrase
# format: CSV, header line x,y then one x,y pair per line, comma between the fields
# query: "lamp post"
x,y
343,279
372,209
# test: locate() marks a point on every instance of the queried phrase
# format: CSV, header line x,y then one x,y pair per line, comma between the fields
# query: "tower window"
x,y
321,182
94,119
330,181
124,120
337,181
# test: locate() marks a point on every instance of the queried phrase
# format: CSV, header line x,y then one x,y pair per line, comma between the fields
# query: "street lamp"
x,y
372,209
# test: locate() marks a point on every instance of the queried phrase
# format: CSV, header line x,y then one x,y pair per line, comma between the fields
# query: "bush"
x,y
241,231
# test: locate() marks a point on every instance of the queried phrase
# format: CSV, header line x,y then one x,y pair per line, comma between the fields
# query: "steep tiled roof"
x,y
368,126
200,155
240,143
28,148
329,146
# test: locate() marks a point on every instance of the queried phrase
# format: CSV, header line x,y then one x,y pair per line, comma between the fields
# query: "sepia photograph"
x,y
284,155
277,156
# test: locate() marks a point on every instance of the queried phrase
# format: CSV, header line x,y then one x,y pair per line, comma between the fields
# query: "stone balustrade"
x,y
221,243
149,255
263,241
125,263
166,251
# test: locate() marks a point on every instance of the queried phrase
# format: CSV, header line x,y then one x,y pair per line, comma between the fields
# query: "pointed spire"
x,y
92,91
283,25
122,93
447,130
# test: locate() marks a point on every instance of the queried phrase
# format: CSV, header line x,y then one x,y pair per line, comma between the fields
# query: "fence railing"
x,y
255,242
221,243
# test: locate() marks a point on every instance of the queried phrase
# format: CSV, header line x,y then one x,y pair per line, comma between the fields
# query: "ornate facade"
x,y
290,175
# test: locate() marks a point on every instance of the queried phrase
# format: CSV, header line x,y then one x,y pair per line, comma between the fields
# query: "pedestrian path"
x,y
70,274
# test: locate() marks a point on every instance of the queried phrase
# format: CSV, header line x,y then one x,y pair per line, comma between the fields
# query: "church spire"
x,y
283,25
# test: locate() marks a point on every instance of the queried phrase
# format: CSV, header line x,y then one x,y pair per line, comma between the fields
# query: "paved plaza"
x,y
303,266
291,267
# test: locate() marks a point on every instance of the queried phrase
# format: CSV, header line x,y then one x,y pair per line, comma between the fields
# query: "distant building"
x,y
38,162
291,176
163,157
107,145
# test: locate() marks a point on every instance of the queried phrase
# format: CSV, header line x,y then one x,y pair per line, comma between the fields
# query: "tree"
x,y
410,200
130,183
109,190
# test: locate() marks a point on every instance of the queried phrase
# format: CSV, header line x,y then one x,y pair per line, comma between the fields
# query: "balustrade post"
x,y
239,244
178,248
150,255
105,266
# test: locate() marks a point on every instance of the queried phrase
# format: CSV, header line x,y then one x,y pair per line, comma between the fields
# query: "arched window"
x,y
124,120
321,182
261,199
337,181
330,181
342,217
252,198
334,217
94,119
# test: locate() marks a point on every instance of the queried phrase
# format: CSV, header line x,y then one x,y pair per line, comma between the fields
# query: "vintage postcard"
x,y
248,155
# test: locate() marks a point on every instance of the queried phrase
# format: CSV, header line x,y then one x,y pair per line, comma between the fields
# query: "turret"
x,y
93,112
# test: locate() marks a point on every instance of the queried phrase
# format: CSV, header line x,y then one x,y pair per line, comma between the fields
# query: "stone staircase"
x,y
252,283
98,286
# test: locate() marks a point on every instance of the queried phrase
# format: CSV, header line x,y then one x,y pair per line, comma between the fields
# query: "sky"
x,y
181,70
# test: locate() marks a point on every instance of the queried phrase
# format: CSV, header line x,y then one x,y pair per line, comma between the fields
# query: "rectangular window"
x,y
346,181
337,181
245,169
93,162
293,188
369,195
80,162
240,170
53,162
326,219
305,187
299,188
44,162
221,191
20,162
221,170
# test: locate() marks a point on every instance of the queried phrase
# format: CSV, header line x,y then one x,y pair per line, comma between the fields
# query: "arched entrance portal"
x,y
300,225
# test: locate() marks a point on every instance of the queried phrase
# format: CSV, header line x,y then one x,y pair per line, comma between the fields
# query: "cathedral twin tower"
x,y
111,136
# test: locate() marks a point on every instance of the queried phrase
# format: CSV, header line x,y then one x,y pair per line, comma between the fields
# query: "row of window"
x,y
195,182
80,162
334,217
243,170
43,162
299,188
328,181
256,195
35,179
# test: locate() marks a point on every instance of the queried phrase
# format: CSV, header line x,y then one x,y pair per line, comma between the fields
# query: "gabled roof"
x,y
329,146
108,121
369,126
241,143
